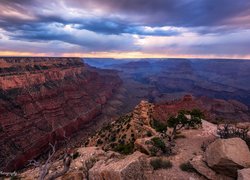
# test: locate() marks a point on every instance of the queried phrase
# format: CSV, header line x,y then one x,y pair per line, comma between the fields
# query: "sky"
x,y
125,28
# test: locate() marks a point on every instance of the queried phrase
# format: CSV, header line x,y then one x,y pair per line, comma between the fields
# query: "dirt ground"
x,y
186,148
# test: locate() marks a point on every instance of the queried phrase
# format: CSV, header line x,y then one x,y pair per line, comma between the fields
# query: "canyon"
x,y
47,100
43,100
134,147
159,80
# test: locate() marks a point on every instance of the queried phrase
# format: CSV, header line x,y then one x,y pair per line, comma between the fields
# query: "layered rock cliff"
x,y
216,110
44,99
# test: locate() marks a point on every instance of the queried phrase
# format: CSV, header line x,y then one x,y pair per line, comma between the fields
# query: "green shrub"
x,y
125,148
149,134
197,113
159,163
187,167
158,126
153,150
159,144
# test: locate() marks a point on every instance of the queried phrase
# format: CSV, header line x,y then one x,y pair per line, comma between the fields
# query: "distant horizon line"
x,y
123,55
137,58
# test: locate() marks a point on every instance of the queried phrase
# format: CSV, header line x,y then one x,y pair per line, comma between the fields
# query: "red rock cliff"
x,y
43,99
215,110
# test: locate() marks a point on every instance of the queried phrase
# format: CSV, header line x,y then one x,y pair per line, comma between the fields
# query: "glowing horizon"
x,y
128,55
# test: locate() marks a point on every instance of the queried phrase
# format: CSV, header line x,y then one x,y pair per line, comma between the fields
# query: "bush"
x,y
231,131
159,144
159,163
149,134
187,167
75,155
197,113
153,151
158,126
125,148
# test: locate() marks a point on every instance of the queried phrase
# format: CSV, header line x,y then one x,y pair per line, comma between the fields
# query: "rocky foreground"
x,y
136,147
43,100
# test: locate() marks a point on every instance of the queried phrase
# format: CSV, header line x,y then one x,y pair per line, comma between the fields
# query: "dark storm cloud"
x,y
181,13
176,13
109,26
103,25
90,41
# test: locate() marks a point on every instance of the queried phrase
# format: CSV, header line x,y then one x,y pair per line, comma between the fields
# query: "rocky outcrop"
x,y
226,156
120,135
244,174
44,99
214,109
95,164
128,168
200,166
144,145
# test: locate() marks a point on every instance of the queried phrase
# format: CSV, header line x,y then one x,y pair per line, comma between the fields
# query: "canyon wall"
x,y
215,110
42,100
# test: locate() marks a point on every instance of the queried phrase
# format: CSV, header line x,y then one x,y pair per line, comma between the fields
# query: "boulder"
x,y
200,166
244,174
226,156
131,167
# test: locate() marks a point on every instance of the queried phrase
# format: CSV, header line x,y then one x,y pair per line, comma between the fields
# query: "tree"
x,y
184,119
44,168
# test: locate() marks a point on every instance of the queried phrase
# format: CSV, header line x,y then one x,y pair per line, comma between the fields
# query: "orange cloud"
x,y
147,55
120,55
15,53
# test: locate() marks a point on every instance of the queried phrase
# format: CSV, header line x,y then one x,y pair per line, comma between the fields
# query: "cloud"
x,y
66,33
184,13
183,26
105,26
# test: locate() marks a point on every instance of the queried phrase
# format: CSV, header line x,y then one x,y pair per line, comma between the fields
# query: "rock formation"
x,y
126,129
215,110
226,156
44,99
128,168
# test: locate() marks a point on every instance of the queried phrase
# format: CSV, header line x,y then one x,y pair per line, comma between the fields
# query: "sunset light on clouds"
x,y
125,28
